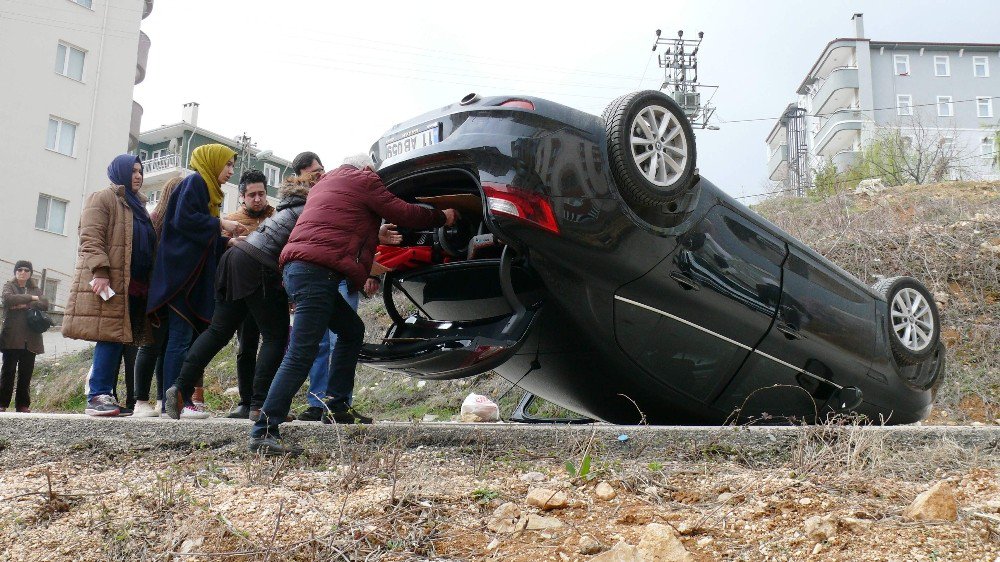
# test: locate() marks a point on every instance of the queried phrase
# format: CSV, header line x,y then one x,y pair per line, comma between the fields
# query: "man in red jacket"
x,y
334,239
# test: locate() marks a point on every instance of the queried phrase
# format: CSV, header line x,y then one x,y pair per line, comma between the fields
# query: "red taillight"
x,y
521,104
519,203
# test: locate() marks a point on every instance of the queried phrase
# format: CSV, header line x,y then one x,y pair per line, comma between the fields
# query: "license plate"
x,y
413,140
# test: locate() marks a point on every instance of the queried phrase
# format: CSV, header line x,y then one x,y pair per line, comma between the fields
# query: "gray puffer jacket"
x,y
265,243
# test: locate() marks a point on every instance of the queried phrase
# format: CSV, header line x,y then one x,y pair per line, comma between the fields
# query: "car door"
x,y
823,339
692,321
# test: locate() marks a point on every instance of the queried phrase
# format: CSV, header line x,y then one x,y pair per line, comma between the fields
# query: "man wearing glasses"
x,y
254,208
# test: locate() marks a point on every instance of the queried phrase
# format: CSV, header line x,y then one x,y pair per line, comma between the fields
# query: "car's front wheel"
x,y
914,326
651,147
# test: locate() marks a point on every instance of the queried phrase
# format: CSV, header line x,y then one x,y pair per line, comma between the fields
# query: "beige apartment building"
x,y
68,69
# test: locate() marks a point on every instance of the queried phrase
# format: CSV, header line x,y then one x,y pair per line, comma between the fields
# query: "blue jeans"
x,y
319,307
104,374
179,333
320,384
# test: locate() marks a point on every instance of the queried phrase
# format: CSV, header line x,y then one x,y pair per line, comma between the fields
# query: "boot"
x,y
199,396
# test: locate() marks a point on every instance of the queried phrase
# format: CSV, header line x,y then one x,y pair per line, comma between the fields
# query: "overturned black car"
x,y
595,268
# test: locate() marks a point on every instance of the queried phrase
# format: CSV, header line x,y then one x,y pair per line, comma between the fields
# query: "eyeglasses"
x,y
20,269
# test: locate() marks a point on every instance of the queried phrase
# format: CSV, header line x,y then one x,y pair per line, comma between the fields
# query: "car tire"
x,y
913,324
654,173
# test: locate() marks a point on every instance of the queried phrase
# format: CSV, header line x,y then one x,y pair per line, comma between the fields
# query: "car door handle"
x,y
684,281
790,332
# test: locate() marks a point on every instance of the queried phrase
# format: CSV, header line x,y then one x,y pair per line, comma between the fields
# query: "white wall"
x,y
100,104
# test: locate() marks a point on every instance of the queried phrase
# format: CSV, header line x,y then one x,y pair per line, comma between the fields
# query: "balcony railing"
x,y
775,161
162,163
848,120
836,91
134,125
142,58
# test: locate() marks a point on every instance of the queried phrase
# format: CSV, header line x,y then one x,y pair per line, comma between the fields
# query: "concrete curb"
x,y
24,436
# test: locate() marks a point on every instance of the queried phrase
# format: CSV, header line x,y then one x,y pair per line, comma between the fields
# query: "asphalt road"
x,y
24,436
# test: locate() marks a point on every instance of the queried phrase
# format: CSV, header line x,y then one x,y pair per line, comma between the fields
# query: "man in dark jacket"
x,y
334,239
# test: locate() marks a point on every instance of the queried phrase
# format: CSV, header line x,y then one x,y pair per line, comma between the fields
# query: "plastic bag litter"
x,y
478,408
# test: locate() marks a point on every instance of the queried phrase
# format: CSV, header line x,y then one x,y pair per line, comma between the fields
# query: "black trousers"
x,y
129,353
269,307
248,337
22,363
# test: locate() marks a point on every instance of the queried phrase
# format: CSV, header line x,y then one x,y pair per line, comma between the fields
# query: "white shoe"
x,y
143,409
194,413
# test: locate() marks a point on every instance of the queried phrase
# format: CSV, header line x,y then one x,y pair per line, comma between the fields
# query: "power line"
x,y
858,110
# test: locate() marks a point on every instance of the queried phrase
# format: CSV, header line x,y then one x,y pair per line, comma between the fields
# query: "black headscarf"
x,y
143,235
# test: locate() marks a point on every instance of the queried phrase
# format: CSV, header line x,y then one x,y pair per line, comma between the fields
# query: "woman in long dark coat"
x,y
20,344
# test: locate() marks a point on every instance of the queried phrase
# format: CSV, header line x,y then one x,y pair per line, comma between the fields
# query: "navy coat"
x,y
187,255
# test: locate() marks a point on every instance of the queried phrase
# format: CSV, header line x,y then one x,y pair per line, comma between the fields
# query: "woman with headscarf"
x,y
107,300
182,291
19,343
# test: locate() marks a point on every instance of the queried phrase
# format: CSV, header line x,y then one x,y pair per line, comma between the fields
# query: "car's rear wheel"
x,y
651,147
914,327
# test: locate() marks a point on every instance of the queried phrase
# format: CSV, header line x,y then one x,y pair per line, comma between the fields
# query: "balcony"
x,y
839,132
143,58
845,159
777,164
147,8
134,125
837,91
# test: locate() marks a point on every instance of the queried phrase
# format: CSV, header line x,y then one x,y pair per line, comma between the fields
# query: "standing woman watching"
x,y
115,254
20,344
182,292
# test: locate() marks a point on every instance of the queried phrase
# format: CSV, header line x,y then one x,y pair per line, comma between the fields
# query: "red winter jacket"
x,y
339,225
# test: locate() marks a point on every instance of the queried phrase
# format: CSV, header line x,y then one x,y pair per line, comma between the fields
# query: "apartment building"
x,y
166,153
66,110
945,95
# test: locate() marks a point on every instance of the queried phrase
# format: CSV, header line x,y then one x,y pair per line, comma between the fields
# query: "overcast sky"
x,y
332,77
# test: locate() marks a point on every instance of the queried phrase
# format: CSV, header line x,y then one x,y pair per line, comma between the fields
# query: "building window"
x,y
987,149
143,155
980,67
84,3
61,136
902,64
904,104
51,288
984,106
942,66
945,107
159,153
273,175
51,214
69,61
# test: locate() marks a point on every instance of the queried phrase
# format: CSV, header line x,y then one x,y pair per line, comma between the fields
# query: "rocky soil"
x,y
820,493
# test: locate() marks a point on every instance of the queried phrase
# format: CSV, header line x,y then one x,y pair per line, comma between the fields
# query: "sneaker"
x,y
125,411
143,409
312,414
273,447
240,412
348,416
102,405
194,413
173,402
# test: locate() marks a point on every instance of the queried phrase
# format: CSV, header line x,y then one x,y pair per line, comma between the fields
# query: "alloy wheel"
x,y
659,147
912,320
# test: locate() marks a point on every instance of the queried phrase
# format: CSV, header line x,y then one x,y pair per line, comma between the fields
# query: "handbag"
x,y
39,321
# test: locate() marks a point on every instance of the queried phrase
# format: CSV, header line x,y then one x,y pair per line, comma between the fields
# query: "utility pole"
x,y
680,77
245,147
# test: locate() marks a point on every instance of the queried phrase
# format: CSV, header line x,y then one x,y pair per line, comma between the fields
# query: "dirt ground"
x,y
430,503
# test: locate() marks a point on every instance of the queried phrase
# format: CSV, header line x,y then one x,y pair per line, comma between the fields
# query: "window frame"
x,y
89,5
270,169
896,59
65,62
60,122
947,65
987,148
986,66
908,106
48,214
143,155
950,104
988,105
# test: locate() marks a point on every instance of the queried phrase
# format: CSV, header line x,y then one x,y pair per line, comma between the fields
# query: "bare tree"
x,y
910,151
